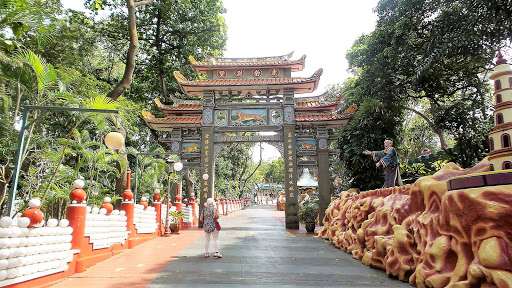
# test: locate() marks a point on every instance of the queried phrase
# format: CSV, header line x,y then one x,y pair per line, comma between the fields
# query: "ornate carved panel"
x,y
289,114
207,116
279,146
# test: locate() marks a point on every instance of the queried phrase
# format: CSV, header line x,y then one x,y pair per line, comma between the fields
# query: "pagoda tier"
x,y
168,123
316,103
180,107
215,63
304,104
500,137
332,119
248,86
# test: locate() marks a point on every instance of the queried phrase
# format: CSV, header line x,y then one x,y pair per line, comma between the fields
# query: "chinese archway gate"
x,y
254,95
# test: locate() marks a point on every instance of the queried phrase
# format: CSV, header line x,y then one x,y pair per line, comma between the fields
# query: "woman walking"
x,y
208,217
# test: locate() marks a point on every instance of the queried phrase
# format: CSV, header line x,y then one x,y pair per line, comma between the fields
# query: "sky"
x,y
324,30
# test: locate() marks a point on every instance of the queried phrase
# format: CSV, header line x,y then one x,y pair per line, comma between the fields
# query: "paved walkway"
x,y
258,251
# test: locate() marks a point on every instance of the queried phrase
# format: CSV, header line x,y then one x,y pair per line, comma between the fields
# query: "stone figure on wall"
x,y
388,159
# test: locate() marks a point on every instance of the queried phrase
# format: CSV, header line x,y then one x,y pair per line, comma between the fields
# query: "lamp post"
x,y
173,166
177,199
136,169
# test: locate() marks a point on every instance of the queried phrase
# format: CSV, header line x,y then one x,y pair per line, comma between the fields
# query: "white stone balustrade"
x,y
29,253
105,230
144,220
188,214
221,208
164,212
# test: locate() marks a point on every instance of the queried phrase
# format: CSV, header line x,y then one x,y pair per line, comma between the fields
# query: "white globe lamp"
x,y
178,166
114,140
206,176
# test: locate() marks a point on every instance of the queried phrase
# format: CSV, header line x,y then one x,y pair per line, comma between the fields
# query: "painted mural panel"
x,y
276,116
248,117
191,147
306,145
221,118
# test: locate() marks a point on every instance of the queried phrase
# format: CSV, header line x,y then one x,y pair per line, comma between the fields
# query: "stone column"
x,y
290,160
324,192
207,161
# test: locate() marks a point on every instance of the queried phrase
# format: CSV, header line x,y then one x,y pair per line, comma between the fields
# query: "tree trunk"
x,y
439,132
442,140
6,178
160,61
127,79
121,182
190,183
18,99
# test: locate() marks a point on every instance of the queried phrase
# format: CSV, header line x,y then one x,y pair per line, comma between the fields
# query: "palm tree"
x,y
99,102
155,171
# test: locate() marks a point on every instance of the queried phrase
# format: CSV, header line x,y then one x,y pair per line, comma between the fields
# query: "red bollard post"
x,y
128,206
177,202
76,214
158,209
194,209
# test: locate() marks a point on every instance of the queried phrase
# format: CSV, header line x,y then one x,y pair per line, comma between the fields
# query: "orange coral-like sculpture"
x,y
427,235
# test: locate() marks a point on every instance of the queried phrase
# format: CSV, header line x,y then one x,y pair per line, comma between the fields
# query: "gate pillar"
x,y
324,192
207,159
290,161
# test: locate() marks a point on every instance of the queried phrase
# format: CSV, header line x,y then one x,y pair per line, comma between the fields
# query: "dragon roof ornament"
x,y
232,63
212,59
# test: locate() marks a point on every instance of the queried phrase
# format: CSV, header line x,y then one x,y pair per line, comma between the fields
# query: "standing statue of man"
x,y
389,160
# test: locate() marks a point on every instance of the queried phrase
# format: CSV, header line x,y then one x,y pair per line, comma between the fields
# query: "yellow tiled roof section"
x,y
177,119
350,110
179,77
147,114
217,82
158,103
192,59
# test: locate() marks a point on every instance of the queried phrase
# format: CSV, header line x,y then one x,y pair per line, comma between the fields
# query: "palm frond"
x,y
45,73
5,95
101,102
10,14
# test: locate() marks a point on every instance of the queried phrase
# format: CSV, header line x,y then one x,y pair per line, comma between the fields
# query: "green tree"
x,y
234,170
273,171
434,51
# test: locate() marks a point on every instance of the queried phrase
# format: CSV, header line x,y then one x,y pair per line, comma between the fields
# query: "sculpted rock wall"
x,y
427,235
